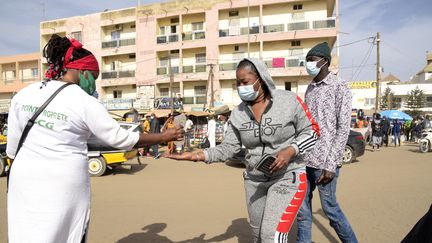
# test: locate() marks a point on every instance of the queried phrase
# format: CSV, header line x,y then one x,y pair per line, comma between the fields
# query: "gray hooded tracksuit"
x,y
285,122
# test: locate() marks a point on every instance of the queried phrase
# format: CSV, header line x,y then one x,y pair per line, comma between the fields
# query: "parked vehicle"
x,y
102,157
425,143
355,147
4,162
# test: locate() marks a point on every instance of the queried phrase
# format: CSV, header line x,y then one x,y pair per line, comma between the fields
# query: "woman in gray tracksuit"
x,y
267,122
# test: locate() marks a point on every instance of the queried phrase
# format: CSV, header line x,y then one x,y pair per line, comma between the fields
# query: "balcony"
x,y
199,68
274,28
227,66
196,100
285,63
118,43
118,74
29,78
196,35
236,31
164,70
163,39
300,25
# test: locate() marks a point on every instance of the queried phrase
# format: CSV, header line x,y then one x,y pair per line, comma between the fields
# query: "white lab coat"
x,y
49,187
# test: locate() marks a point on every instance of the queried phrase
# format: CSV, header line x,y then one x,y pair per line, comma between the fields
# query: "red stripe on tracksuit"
x,y
288,217
315,126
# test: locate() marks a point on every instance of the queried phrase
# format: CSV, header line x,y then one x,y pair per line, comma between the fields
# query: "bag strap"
x,y
31,122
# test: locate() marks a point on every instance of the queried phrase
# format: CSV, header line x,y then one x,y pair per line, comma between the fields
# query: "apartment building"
x,y
202,41
17,71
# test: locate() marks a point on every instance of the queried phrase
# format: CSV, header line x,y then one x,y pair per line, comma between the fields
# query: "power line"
x,y
354,42
363,62
359,66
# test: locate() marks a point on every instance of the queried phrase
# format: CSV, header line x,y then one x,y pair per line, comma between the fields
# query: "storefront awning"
x,y
197,113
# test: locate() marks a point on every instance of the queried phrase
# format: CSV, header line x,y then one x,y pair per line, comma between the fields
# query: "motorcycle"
x,y
425,142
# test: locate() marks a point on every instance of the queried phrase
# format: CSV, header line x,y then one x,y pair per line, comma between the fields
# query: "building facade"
x,y
364,93
17,71
202,42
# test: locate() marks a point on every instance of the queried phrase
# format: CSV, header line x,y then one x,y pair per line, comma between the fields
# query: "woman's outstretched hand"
x,y
187,156
183,156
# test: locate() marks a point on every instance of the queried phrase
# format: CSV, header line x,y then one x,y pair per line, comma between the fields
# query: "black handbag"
x,y
30,124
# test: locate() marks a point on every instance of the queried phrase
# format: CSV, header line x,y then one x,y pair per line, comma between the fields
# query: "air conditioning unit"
x,y
118,27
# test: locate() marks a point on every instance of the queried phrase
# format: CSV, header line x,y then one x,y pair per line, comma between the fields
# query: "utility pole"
x,y
378,70
211,87
171,75
248,44
210,84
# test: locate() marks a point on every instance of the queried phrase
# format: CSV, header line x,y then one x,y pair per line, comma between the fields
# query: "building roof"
x,y
428,68
390,78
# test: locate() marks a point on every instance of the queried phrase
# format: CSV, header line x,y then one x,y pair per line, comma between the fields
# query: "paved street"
x,y
383,195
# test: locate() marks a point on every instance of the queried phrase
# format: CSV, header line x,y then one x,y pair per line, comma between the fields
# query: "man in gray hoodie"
x,y
268,122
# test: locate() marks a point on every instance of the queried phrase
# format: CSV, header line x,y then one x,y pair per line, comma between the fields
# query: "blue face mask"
x,y
312,69
247,92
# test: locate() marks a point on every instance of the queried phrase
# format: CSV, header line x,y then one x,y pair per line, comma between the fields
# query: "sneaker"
x,y
157,156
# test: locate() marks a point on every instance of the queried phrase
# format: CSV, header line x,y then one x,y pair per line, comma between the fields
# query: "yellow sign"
x,y
362,85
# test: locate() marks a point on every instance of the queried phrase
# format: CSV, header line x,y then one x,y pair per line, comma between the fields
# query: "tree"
x,y
387,99
416,101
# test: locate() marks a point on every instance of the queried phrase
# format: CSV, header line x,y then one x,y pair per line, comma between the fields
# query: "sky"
x,y
405,28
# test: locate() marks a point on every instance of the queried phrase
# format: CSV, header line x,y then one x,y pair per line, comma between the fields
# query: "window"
x,y
198,26
117,94
369,101
200,90
175,51
162,30
236,48
288,86
200,58
298,16
174,20
295,43
164,92
298,6
173,29
77,36
163,61
233,13
132,56
34,72
115,35
113,66
132,26
429,99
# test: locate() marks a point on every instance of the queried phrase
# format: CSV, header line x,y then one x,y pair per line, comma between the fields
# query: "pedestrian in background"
x,y
397,128
377,132
188,133
211,131
155,129
386,131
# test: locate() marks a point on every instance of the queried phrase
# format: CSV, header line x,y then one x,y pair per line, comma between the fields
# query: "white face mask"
x,y
312,69
247,92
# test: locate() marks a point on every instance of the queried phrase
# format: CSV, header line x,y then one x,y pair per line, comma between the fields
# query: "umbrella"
x,y
396,114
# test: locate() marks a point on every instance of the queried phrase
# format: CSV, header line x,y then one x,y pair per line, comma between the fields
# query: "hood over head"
x,y
263,73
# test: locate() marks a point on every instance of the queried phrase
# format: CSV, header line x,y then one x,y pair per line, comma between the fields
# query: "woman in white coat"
x,y
49,186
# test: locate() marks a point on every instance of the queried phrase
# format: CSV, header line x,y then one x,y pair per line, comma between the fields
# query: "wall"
x,y
127,31
128,91
124,63
225,20
192,18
